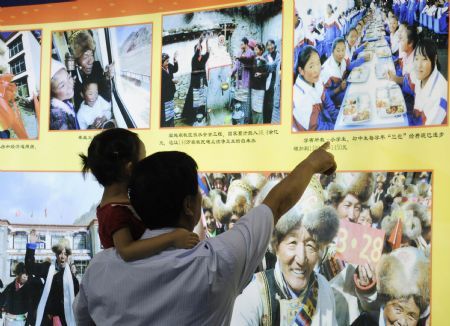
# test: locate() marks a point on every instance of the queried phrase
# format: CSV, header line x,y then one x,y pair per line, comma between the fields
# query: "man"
x,y
60,286
185,287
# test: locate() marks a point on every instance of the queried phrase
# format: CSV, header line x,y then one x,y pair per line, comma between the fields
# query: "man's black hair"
x,y
159,185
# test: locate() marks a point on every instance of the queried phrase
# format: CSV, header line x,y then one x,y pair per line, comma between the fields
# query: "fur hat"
x,y
411,226
423,189
238,201
403,273
265,191
420,212
206,202
358,184
423,175
56,66
381,178
80,42
411,191
61,245
255,180
376,211
220,176
394,191
321,223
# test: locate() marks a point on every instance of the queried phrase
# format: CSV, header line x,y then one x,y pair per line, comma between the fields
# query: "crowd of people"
x,y
81,92
292,276
328,48
255,72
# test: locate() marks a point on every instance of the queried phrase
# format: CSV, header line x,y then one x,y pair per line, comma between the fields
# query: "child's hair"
x,y
108,154
337,41
86,85
353,29
304,55
412,35
260,46
427,48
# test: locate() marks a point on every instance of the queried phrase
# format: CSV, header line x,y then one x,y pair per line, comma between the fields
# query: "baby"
x,y
94,110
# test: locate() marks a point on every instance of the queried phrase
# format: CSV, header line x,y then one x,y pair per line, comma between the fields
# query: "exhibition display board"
x,y
221,81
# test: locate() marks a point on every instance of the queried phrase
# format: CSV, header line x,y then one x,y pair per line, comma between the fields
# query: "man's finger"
x,y
325,146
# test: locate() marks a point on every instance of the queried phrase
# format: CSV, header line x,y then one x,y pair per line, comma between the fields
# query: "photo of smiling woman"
x,y
293,292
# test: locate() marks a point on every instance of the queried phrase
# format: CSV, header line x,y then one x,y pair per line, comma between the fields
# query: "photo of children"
x,y
301,266
100,78
20,71
369,65
229,70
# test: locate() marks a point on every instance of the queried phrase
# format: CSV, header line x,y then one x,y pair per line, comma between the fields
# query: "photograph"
x,y
49,226
222,67
354,250
20,76
100,78
362,64
354,247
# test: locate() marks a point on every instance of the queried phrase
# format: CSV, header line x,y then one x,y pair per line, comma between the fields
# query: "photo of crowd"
x,y
20,75
369,65
229,70
100,78
288,285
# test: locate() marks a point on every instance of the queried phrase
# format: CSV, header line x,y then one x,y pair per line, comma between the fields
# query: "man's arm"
x,y
288,192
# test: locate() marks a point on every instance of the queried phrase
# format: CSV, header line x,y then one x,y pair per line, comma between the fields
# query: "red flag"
x,y
395,239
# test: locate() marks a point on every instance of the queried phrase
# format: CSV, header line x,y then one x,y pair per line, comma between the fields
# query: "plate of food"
x,y
382,67
359,75
389,102
383,52
356,109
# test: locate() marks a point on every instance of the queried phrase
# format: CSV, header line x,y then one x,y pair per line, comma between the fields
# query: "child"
x,y
94,110
111,156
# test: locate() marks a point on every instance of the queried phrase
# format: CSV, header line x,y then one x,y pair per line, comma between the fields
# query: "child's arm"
x,y
131,250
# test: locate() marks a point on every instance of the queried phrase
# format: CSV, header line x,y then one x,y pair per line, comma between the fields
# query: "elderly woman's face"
x,y
349,208
86,61
297,254
402,312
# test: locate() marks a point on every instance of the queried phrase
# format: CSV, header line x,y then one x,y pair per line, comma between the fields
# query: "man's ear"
x,y
129,168
187,206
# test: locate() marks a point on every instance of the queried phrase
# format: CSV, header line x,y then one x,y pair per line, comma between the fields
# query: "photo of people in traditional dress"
x,y
48,235
222,67
20,75
100,78
369,64
302,280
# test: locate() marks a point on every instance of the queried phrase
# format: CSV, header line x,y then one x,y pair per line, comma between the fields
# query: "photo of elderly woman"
x,y
20,74
302,280
229,73
108,71
369,65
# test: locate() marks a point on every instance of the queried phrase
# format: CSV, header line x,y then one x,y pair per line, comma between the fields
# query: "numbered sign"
x,y
359,244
